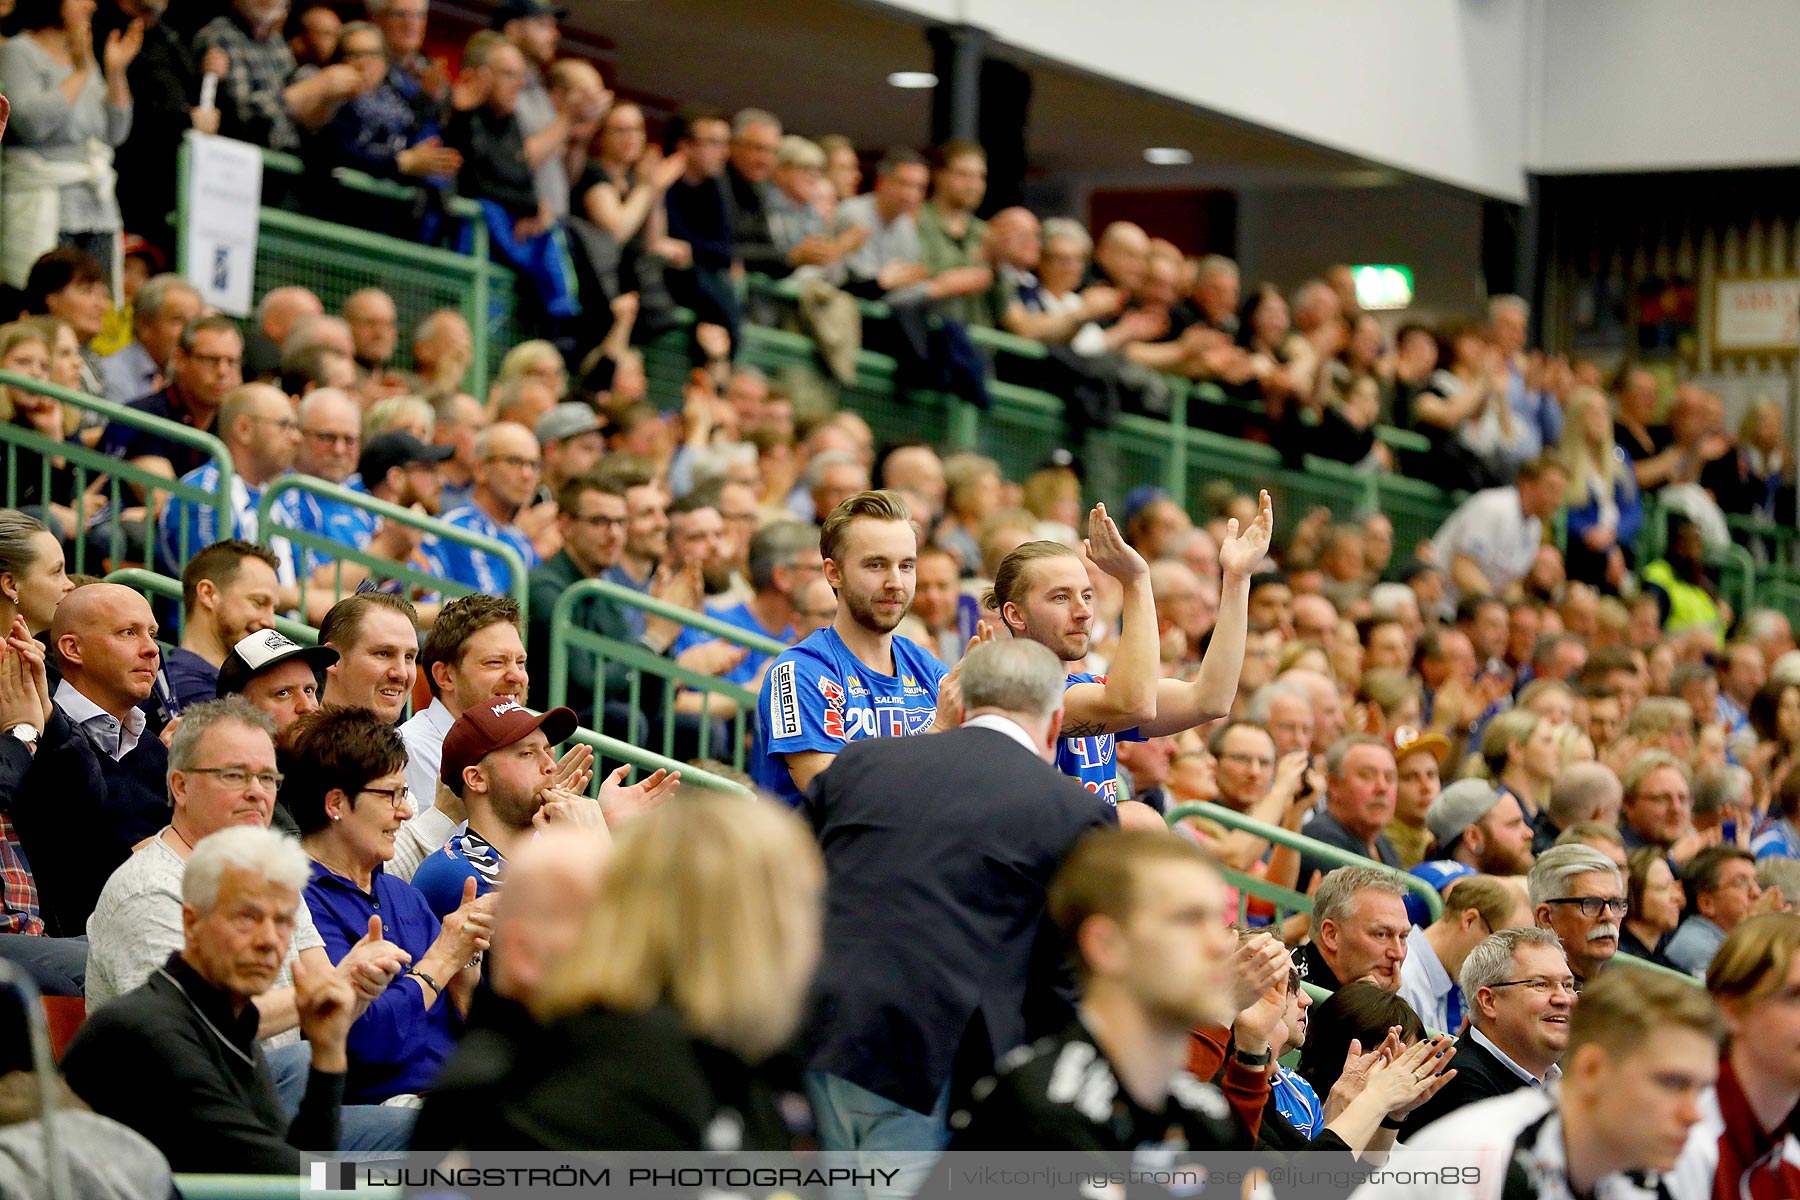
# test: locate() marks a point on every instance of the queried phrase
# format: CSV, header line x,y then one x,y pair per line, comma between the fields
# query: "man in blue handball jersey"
x,y
1042,592
853,679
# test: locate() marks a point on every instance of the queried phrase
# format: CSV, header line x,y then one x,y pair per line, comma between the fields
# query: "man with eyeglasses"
x,y
506,474
330,437
222,773
208,363
1658,808
1721,891
1578,894
257,425
592,515
1521,995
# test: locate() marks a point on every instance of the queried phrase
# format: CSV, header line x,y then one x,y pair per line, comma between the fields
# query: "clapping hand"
x,y
1239,553
620,802
122,46
575,769
1107,548
372,963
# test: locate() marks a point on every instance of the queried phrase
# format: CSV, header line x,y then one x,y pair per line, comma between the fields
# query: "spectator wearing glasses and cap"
x,y
1521,995
1472,827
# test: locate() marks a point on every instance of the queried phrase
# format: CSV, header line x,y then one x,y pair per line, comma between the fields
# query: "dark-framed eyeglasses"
x,y
1543,985
1593,906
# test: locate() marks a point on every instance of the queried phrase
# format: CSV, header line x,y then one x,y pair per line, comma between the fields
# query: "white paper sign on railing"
x,y
1756,314
224,195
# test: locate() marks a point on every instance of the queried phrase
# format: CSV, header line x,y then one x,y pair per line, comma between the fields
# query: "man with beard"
x,y
1042,592
499,760
697,539
1474,828
854,679
228,592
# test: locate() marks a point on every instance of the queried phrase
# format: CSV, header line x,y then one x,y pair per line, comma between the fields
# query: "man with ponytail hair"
x,y
1042,592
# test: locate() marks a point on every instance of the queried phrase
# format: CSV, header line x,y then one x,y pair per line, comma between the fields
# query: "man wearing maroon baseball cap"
x,y
498,757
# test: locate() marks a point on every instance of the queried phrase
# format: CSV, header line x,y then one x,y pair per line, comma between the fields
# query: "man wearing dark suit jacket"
x,y
938,851
1521,995
98,780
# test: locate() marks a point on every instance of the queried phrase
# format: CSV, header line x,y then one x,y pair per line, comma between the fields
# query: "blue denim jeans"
x,y
377,1128
878,1133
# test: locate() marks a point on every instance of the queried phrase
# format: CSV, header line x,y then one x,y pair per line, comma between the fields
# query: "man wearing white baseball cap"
x,y
276,674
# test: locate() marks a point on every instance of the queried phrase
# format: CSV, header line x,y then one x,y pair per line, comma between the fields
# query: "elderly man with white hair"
x,y
177,1059
1578,894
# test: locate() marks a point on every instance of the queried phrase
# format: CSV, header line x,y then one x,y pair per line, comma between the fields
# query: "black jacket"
x,y
598,1080
937,853
1019,1112
494,166
79,813
170,1060
1479,1076
751,242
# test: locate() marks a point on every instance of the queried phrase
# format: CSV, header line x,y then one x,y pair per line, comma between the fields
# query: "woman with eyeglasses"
x,y
346,788
1654,900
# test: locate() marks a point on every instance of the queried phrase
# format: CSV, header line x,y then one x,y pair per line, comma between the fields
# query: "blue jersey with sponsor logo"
x,y
819,696
1092,760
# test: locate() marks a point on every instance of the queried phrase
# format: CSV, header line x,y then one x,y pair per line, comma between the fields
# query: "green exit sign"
x,y
1383,286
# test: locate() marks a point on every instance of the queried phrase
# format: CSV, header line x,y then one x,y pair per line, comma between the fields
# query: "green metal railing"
x,y
568,638
149,583
334,260
1645,964
1287,900
268,531
91,470
265,1187
640,759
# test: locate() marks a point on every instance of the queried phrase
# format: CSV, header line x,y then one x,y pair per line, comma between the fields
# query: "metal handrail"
x,y
90,464
170,589
268,529
1299,901
566,636
1633,960
604,746
56,1168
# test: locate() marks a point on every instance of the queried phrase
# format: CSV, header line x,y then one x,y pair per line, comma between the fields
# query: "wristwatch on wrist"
x,y
1246,1059
29,734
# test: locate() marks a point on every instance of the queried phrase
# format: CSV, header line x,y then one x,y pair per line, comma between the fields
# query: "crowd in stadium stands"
x,y
309,905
